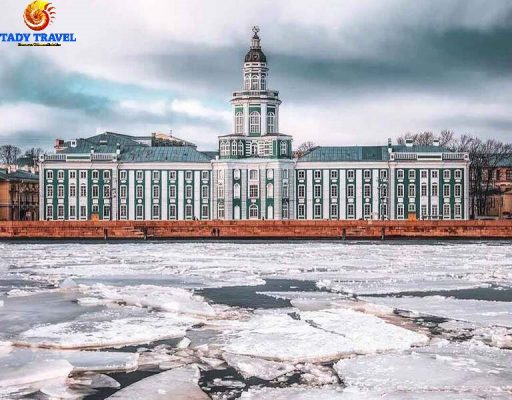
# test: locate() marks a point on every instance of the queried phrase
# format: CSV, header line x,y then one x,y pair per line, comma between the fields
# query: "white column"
x,y
181,194
42,193
243,174
228,192
343,194
246,118
326,200
147,194
264,119
392,201
131,195
115,194
309,194
359,193
375,194
197,194
278,192
165,195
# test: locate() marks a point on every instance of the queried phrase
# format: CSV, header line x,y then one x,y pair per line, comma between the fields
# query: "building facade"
x,y
19,196
253,175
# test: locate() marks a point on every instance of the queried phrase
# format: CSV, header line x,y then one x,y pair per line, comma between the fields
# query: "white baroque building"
x,y
252,176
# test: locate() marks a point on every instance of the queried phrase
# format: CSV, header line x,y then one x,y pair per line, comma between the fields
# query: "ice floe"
x,y
257,367
296,393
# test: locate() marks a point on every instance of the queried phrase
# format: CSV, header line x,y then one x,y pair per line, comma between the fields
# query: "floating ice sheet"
x,y
253,366
298,393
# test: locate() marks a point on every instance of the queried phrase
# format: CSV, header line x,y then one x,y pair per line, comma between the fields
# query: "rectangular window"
x,y
412,191
139,211
95,175
220,211
367,174
172,191
446,174
49,212
458,190
446,211
188,175
350,190
367,190
106,191
424,173
283,147
123,211
156,191
301,210
317,211
60,191
172,211
72,212
60,175
424,190
383,191
400,174
156,175
83,212
301,174
139,191
434,189
60,211
106,174
423,210
72,191
95,209
123,175
253,174
204,211
458,210
188,191
253,191
367,211
205,191
156,211
72,174
220,191
95,191
434,173
334,191
318,191
334,211
204,175
318,174
334,174
49,191
172,175
106,212
412,207
285,212
350,174
434,211
83,191
350,211
446,190
83,174
139,175
301,191
285,191
400,190
285,174
383,174
123,191
458,174
49,175
400,211
412,174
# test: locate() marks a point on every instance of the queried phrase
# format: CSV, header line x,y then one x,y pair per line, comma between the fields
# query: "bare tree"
x,y
303,149
33,153
9,154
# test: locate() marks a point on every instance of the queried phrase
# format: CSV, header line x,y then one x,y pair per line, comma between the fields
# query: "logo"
x,y
38,15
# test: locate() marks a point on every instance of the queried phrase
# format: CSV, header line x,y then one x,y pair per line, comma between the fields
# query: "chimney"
x,y
390,149
436,142
59,143
92,149
409,142
118,149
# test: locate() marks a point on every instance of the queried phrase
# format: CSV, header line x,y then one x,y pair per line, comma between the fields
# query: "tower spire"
x,y
255,42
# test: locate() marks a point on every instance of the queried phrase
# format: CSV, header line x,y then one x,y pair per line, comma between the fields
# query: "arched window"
x,y
270,190
271,122
236,190
254,82
263,82
239,122
253,211
254,149
254,122
240,148
233,148
247,83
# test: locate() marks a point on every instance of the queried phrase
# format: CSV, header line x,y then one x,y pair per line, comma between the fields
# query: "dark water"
x,y
492,293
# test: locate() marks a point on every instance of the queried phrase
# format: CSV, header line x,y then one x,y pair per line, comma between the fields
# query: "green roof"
x,y
347,153
18,176
156,154
419,149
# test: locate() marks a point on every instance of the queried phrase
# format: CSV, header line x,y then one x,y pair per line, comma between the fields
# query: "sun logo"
x,y
38,15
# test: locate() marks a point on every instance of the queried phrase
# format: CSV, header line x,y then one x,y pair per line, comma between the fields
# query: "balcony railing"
x,y
255,93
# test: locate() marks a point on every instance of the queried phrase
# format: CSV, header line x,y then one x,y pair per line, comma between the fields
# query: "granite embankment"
x,y
320,229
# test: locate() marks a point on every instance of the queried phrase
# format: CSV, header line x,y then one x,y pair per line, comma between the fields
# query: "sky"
x,y
349,72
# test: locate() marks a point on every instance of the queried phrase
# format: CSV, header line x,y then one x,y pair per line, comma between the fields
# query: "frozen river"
x,y
253,320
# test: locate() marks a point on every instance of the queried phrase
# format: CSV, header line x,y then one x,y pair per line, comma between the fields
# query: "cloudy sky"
x,y
349,72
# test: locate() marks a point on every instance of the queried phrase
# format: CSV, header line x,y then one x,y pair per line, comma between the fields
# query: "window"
x,y
301,211
334,191
204,175
204,211
458,174
285,174
172,175
301,191
139,211
83,174
434,189
284,148
60,175
204,192
220,211
172,211
155,211
139,192
254,82
350,211
239,122
400,190
285,191
318,191
106,212
285,213
253,191
233,148
254,149
412,191
236,174
254,122
123,175
412,174
412,207
72,190
123,211
140,175
458,190
188,191
334,211
253,211
156,191
446,211
247,81
301,174
60,211
60,191
270,190
458,210
49,175
367,190
446,174
253,174
270,174
106,174
95,209
424,189
156,175
83,191
446,190
383,174
240,148
400,174
106,191
83,212
236,190
424,173
220,191
434,173
334,174
72,212
367,174
123,191
424,211
95,175
434,211
400,211
271,119
367,211
317,211
172,191
350,190
318,174
383,210
49,212
49,191
188,175
383,190
95,191
350,174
